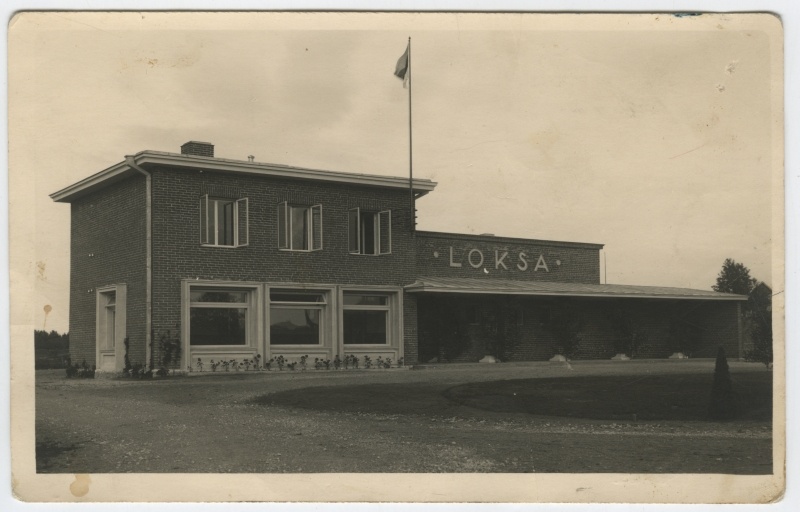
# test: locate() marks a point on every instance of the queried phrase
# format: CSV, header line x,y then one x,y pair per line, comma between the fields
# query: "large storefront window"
x,y
295,317
365,318
218,317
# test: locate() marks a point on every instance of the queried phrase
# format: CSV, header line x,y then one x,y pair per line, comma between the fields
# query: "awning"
x,y
552,289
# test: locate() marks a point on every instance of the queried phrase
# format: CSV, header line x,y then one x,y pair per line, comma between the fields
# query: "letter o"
x,y
469,258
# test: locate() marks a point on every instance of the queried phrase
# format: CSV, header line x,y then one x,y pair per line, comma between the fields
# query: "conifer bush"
x,y
723,404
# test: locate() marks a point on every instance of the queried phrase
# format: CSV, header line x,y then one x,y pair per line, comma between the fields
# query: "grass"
x,y
679,397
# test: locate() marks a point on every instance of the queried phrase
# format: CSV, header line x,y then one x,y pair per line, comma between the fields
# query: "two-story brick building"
x,y
237,258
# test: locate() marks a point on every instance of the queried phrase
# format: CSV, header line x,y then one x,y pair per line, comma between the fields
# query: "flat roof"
x,y
148,158
505,239
554,289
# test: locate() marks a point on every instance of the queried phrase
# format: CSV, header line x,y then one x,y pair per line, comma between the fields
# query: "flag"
x,y
401,70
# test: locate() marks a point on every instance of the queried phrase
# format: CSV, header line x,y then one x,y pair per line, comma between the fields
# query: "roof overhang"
x,y
554,289
147,159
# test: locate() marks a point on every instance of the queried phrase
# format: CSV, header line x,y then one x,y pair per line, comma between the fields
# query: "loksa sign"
x,y
523,262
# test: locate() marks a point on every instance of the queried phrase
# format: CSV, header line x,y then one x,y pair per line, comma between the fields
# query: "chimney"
x,y
196,148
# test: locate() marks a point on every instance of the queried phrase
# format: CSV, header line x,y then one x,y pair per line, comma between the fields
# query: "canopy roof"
x,y
553,289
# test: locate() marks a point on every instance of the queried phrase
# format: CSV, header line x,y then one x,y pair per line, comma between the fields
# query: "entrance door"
x,y
110,332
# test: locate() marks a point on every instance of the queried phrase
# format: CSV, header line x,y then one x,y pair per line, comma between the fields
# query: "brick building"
x,y
213,258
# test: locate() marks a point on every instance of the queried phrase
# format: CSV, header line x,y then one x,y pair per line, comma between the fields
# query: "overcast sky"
x,y
651,136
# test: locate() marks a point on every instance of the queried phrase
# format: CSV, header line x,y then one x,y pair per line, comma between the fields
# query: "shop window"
x,y
218,317
299,227
296,317
365,318
369,232
223,222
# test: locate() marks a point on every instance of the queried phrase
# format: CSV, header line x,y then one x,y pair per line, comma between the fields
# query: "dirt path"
x,y
220,423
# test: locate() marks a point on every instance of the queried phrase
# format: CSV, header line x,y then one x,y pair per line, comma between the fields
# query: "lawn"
x,y
672,397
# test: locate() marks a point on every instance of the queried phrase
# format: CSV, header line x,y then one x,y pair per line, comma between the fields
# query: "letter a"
x,y
540,263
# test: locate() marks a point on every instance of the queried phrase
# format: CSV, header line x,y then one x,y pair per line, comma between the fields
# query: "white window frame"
x,y
250,306
286,242
378,225
391,306
323,307
209,209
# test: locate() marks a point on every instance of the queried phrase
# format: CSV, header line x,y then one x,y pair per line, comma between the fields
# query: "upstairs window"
x,y
223,222
369,232
299,227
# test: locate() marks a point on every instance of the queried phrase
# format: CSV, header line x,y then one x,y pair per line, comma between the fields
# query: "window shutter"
x,y
283,225
240,226
316,227
204,219
354,233
385,232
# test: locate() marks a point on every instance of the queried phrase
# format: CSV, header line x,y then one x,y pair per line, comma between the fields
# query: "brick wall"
x,y
110,225
566,261
178,255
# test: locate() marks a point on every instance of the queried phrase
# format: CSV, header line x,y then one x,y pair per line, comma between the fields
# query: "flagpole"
x,y
410,149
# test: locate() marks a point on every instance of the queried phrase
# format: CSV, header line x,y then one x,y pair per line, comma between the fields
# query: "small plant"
x,y
246,364
268,364
387,363
379,362
199,364
127,369
170,349
337,362
367,362
215,365
354,361
226,365
281,362
257,362
236,365
318,364
189,368
327,363
292,366
303,363
400,363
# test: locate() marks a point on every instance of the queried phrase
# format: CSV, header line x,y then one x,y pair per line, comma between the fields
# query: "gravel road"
x,y
225,423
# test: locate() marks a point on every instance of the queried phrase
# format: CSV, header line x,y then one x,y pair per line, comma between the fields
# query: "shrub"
x,y
303,363
724,402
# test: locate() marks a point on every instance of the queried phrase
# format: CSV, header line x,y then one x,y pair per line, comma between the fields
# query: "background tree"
x,y
734,278
758,319
756,313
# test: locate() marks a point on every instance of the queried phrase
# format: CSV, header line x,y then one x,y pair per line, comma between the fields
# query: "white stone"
x,y
558,358
620,357
488,359
679,355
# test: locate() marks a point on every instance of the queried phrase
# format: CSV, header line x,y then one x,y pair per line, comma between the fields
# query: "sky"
x,y
651,134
